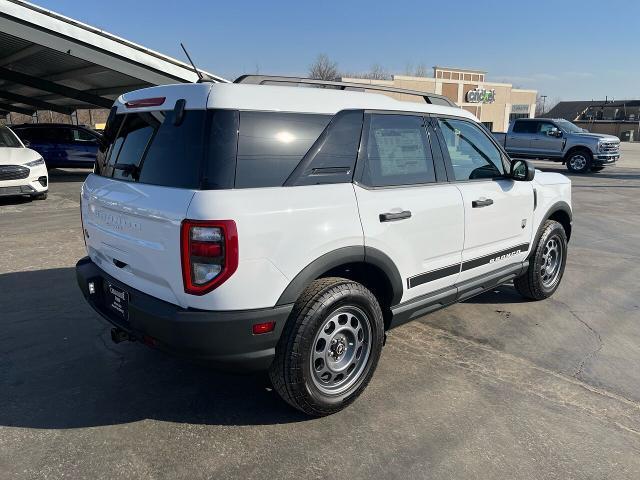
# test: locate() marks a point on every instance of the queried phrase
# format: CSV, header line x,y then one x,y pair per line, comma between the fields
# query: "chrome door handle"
x,y
481,202
394,216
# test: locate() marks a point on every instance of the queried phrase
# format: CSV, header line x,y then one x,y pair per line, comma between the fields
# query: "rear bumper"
x,y
223,339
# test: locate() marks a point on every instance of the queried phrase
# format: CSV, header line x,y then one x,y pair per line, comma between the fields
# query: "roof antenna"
x,y
200,77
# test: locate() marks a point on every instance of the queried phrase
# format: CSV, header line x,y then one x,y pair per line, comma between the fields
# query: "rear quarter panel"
x,y
281,230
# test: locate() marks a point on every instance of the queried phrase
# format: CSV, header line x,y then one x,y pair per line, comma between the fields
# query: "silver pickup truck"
x,y
561,141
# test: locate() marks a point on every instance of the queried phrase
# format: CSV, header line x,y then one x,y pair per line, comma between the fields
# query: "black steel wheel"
x,y
546,263
329,348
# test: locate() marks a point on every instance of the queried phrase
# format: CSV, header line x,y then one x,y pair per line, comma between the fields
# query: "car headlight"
x,y
35,163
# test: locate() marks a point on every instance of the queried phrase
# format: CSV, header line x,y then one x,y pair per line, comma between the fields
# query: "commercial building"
x,y
620,118
495,104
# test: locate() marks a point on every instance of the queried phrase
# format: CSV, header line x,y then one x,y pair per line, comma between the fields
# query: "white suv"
x,y
22,170
284,228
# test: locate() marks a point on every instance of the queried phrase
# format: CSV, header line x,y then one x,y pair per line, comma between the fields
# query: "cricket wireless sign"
x,y
480,95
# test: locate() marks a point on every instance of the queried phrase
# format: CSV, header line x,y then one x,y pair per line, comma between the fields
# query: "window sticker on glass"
x,y
401,151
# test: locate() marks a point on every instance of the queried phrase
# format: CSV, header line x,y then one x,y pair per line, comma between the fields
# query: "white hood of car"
x,y
550,178
17,156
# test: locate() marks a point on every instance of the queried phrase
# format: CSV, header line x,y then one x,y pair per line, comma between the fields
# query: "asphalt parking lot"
x,y
495,387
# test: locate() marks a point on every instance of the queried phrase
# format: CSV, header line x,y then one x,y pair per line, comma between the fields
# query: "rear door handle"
x,y
481,202
394,216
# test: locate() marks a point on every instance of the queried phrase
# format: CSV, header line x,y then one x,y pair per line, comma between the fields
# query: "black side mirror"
x,y
554,132
522,171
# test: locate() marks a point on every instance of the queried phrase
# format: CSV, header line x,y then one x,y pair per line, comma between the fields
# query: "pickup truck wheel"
x,y
546,263
329,348
579,161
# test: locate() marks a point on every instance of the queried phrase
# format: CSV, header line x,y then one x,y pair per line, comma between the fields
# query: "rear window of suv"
x,y
198,151
208,149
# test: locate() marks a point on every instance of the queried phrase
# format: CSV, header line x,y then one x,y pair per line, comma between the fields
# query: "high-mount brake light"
x,y
209,251
145,102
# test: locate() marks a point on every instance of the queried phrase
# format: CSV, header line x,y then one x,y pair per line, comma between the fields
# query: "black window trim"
x,y
506,160
299,171
439,164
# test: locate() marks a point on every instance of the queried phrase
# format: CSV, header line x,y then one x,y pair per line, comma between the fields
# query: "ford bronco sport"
x,y
274,227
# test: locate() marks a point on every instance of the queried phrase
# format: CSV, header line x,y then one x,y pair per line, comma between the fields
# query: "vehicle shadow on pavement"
x,y
64,176
59,369
4,201
503,294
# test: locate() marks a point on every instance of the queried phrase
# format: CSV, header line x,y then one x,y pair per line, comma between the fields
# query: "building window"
x,y
513,116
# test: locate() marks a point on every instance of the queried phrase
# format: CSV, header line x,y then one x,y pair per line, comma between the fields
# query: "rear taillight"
x,y
209,252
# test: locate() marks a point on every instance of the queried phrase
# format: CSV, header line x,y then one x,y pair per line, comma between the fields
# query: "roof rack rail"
x,y
428,97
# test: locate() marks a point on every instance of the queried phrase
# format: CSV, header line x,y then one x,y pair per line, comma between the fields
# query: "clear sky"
x,y
566,49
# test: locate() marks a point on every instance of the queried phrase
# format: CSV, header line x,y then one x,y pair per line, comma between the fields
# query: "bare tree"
x,y
544,104
324,69
421,71
408,69
377,72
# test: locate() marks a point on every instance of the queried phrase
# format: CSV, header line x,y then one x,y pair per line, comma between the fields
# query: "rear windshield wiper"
x,y
128,169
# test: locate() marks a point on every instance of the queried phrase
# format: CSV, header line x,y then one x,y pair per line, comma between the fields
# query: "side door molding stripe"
x,y
439,273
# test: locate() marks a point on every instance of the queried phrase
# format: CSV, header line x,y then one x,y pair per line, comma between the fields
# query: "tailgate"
x,y
133,233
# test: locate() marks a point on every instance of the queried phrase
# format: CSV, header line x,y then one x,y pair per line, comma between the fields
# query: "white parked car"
x,y
274,227
22,170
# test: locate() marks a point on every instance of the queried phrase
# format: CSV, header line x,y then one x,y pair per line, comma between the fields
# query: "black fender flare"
x,y
342,256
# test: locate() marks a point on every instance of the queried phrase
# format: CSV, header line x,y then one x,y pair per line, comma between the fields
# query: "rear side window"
x,y
333,157
397,151
271,144
525,127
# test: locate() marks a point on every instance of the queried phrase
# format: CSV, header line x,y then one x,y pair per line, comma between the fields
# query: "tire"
x,y
40,196
579,161
546,264
597,169
329,348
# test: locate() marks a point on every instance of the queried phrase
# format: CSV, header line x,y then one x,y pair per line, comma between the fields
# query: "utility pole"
x,y
544,100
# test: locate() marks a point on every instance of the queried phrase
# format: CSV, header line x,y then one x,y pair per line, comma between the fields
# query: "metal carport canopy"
x,y
52,62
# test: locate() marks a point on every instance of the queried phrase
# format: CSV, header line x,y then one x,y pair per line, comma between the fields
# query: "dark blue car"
x,y
61,145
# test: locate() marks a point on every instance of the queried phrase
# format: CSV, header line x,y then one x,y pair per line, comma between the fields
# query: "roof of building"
x,y
52,62
455,69
573,109
278,98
